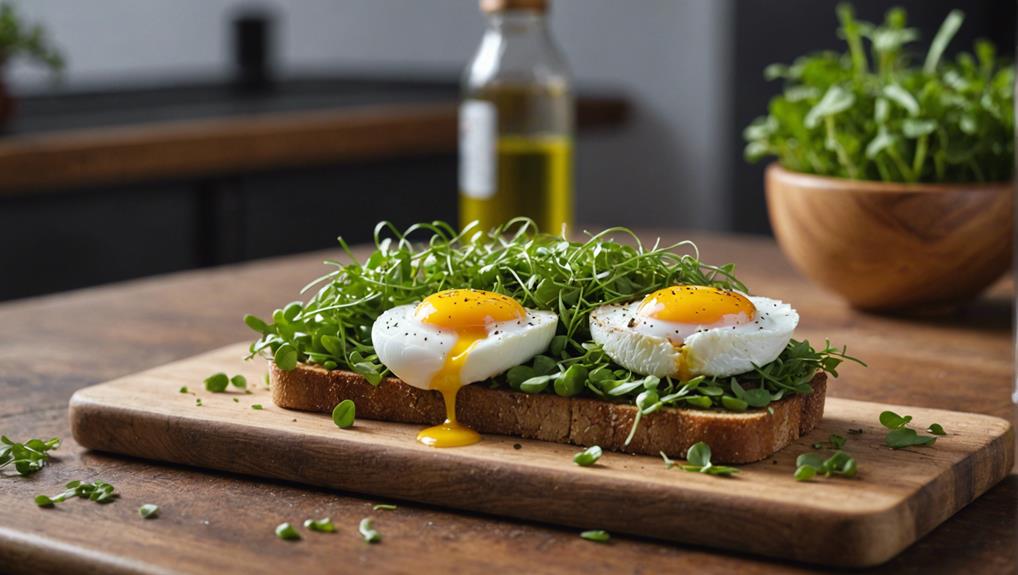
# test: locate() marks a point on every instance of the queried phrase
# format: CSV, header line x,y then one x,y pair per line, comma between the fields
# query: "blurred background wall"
x,y
666,56
688,71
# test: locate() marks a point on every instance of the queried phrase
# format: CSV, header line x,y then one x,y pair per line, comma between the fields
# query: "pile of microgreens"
x,y
541,271
882,114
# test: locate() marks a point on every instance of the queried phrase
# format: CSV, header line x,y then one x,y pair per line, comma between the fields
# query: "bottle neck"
x,y
519,24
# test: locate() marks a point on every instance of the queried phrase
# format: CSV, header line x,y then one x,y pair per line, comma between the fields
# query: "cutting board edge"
x,y
862,536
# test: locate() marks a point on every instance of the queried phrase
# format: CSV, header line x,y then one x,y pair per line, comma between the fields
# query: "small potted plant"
x,y
892,185
20,39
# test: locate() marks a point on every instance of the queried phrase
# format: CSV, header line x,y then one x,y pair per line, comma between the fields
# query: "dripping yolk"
x,y
697,305
468,313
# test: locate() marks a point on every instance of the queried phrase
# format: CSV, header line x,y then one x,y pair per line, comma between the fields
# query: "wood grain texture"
x,y
892,246
897,497
216,522
734,438
200,147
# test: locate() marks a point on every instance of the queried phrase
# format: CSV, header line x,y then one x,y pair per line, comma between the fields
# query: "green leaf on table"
x,y
368,531
588,456
217,382
892,420
596,535
323,525
286,532
905,437
344,413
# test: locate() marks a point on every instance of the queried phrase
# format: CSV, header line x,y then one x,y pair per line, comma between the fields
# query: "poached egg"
x,y
456,337
688,330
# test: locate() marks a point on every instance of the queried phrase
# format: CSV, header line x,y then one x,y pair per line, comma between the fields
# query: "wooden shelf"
x,y
50,160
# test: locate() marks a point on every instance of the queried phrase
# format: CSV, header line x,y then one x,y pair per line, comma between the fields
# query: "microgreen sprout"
x,y
217,382
98,491
698,461
596,535
588,456
27,457
148,511
286,532
901,436
344,413
808,465
323,525
368,531
383,507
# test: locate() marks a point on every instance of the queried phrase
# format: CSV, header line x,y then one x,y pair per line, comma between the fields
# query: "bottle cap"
x,y
505,5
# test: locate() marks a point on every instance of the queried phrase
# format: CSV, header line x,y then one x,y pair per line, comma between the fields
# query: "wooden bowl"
x,y
885,246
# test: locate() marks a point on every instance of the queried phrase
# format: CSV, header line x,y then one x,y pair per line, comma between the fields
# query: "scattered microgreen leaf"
x,y
183,389
368,531
239,381
892,420
906,437
257,406
148,511
810,464
900,436
217,382
805,472
596,535
936,429
98,491
286,532
344,413
588,456
698,461
323,525
28,457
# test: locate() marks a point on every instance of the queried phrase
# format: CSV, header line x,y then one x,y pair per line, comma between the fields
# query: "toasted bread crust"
x,y
733,437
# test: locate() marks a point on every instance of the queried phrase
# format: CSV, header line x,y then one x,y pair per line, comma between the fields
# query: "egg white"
x,y
652,347
416,351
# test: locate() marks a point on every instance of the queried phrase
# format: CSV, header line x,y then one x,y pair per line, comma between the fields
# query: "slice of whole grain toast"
x,y
732,437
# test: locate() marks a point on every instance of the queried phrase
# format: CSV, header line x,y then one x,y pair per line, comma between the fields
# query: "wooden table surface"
x,y
216,523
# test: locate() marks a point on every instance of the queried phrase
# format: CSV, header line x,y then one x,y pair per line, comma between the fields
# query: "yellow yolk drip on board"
x,y
467,313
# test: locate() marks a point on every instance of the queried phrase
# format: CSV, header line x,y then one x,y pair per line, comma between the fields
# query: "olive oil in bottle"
x,y
516,123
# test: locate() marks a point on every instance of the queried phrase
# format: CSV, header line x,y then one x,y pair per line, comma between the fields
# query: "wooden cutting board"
x,y
897,497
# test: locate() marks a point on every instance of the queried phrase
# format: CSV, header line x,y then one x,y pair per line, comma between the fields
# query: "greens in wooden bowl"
x,y
893,181
884,114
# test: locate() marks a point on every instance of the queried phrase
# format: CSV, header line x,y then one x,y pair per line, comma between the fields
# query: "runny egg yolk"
x,y
694,305
468,313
